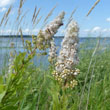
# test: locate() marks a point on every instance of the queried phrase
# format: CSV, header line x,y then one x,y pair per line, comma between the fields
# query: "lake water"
x,y
5,47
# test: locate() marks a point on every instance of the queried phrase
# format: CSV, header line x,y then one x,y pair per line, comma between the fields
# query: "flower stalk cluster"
x,y
11,60
45,36
52,52
65,70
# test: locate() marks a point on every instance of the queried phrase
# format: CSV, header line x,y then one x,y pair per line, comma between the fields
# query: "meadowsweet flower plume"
x,y
52,52
11,60
45,36
65,71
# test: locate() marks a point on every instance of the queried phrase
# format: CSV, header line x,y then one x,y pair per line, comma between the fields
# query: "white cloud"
x,y
96,29
26,31
83,33
3,9
4,3
108,19
105,30
35,30
86,30
5,32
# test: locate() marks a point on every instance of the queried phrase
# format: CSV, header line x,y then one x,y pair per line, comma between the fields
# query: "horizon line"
x,y
60,36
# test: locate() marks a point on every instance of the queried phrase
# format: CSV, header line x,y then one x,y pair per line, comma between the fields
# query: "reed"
x,y
5,16
34,19
93,7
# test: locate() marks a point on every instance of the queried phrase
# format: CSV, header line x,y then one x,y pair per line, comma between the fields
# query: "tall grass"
x,y
37,89
34,88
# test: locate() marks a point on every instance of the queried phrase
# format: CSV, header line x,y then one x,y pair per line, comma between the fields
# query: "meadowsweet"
x,y
12,44
52,52
65,71
11,59
11,64
44,36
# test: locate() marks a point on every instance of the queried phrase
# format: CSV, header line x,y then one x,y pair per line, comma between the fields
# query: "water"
x,y
5,47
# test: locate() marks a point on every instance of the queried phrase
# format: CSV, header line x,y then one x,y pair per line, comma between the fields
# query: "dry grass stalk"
x,y
34,13
20,30
6,21
20,7
70,18
2,20
22,17
86,77
93,7
44,24
5,17
50,13
8,12
21,3
47,17
34,19
37,22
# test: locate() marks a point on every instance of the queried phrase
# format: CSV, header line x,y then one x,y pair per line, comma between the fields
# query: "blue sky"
x,y
98,22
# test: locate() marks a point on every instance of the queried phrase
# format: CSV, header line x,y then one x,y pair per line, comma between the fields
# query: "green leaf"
x,y
1,79
2,88
2,95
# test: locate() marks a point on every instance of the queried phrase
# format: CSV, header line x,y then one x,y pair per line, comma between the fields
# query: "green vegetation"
x,y
33,88
29,87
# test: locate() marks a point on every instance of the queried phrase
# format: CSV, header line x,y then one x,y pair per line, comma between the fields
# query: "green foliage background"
x,y
34,88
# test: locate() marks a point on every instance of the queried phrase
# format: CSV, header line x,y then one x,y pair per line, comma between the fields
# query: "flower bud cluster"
x,y
52,52
65,71
28,45
11,60
44,36
11,64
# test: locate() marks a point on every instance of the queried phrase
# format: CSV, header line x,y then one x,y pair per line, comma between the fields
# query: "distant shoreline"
x,y
29,36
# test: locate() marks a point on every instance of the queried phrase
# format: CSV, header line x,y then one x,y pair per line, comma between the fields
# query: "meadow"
x,y
35,88
66,83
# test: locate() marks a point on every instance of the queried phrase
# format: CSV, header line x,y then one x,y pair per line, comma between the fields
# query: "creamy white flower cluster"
x,y
52,28
11,60
11,63
44,36
67,60
52,52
